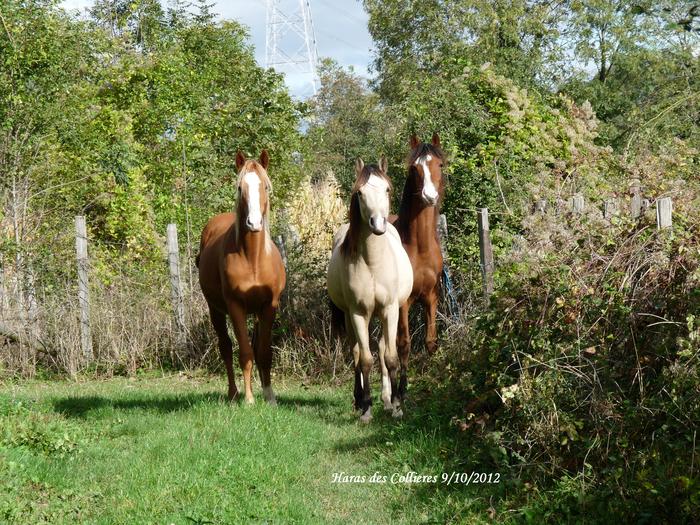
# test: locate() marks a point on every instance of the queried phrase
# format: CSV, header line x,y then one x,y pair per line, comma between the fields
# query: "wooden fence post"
x,y
3,292
664,213
577,204
283,250
541,206
485,252
447,288
636,203
442,234
83,287
609,209
175,284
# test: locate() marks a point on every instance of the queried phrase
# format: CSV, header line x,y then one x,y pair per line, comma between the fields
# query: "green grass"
x,y
172,450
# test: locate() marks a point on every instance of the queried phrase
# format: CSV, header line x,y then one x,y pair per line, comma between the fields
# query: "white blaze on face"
x,y
429,191
378,200
254,213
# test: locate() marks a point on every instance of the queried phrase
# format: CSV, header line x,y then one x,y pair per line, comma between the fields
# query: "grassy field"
x,y
169,449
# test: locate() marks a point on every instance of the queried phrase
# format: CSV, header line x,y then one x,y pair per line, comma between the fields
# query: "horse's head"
x,y
370,196
425,164
254,189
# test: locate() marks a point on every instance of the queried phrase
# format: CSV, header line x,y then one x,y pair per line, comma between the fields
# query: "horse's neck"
x,y
420,227
252,244
372,247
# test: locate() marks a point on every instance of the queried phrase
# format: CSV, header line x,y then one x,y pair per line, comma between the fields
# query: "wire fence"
x,y
69,309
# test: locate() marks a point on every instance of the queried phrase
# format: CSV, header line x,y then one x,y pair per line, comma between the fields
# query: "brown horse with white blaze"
x,y
241,273
417,226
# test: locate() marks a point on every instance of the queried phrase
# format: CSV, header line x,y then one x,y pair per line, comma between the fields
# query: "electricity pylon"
x,y
290,46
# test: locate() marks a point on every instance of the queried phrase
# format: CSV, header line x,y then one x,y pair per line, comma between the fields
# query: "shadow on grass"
x,y
81,406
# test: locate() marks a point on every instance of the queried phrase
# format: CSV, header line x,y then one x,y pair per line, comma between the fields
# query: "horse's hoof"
x,y
388,407
233,396
269,396
397,413
250,401
366,417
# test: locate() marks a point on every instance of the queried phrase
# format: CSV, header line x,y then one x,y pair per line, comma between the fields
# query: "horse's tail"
x,y
337,319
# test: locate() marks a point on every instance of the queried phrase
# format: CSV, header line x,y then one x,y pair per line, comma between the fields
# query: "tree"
x,y
646,66
140,22
414,36
348,122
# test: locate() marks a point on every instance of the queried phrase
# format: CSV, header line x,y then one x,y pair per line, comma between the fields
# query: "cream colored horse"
x,y
370,274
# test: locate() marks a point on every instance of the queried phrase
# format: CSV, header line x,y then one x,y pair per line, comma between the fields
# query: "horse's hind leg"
x,y
404,347
245,350
389,360
218,319
262,345
360,327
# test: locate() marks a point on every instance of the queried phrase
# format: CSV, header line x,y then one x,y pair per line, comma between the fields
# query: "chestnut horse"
x,y
417,226
369,273
241,273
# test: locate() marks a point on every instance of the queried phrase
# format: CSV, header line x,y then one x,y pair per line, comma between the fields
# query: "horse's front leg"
x,y
360,328
431,303
218,319
404,346
263,351
245,351
389,360
357,392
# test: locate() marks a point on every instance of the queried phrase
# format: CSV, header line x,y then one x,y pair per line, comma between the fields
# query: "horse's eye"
x,y
441,164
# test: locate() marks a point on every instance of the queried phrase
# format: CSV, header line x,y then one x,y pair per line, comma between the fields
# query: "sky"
x,y
340,29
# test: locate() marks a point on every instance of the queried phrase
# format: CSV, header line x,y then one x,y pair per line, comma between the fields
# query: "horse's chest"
x,y
371,287
245,284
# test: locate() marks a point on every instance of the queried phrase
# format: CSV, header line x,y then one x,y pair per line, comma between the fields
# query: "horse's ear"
x,y
240,160
383,164
436,140
265,159
413,141
359,165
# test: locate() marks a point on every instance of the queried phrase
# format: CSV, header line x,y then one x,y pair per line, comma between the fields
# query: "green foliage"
x,y
500,139
413,37
589,348
133,121
21,427
349,122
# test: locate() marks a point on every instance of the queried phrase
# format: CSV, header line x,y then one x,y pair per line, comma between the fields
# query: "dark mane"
x,y
349,246
410,188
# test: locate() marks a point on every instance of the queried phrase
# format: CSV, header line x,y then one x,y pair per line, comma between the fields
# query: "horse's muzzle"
x,y
429,199
253,226
377,225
